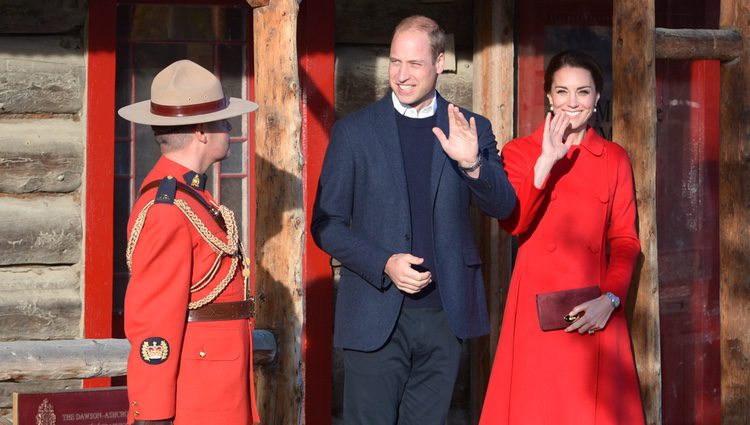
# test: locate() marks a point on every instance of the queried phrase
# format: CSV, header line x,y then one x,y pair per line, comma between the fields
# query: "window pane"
x,y
122,90
146,153
122,159
120,222
178,22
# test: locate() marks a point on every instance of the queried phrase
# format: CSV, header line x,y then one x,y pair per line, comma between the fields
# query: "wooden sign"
x,y
100,406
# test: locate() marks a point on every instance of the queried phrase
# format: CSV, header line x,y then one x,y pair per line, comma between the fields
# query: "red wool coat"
x,y
566,229
197,372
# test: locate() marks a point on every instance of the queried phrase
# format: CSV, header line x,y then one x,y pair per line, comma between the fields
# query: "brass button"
x,y
202,354
136,413
135,403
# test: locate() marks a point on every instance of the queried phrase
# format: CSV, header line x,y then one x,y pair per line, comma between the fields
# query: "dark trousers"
x,y
407,381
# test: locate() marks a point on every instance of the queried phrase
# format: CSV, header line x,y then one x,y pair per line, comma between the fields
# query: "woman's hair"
x,y
573,59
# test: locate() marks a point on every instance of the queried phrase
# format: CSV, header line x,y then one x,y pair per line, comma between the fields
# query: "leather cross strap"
x,y
182,187
223,311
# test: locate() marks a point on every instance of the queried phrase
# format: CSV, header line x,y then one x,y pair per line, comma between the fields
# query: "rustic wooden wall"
x,y
42,86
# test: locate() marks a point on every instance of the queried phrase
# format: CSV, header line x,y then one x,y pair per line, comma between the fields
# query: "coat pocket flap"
x,y
213,344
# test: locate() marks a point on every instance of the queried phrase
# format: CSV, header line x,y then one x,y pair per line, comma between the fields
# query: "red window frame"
x,y
315,46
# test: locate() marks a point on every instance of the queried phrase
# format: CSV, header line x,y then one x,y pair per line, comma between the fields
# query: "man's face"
x,y
413,71
217,133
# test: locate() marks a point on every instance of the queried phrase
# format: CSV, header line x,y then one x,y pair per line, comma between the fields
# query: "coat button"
x,y
553,196
136,413
407,237
604,198
202,354
135,403
594,249
551,246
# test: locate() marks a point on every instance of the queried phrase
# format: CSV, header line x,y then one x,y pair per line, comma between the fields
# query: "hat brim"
x,y
140,113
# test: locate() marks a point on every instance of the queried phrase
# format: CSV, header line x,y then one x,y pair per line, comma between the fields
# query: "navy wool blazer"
x,y
362,217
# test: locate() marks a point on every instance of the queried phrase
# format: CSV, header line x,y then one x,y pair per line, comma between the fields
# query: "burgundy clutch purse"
x,y
553,307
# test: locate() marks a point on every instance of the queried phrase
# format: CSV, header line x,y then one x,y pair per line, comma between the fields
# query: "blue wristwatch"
x,y
614,299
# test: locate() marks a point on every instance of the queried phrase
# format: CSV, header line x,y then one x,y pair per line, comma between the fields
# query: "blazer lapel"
x,y
438,154
385,127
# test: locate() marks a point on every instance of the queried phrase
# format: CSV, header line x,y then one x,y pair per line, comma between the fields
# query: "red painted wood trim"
x,y
99,187
316,57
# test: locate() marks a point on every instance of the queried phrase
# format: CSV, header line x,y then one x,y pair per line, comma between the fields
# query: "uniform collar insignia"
x,y
195,180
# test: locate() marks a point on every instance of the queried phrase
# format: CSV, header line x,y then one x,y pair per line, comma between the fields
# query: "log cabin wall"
x,y
42,110
363,34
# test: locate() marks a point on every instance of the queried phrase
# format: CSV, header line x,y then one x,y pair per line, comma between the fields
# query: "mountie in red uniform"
x,y
187,307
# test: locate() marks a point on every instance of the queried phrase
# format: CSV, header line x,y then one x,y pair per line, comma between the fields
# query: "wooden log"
x,y
280,220
361,74
7,389
369,22
41,75
40,230
493,98
734,220
44,17
22,361
724,44
39,303
634,126
40,156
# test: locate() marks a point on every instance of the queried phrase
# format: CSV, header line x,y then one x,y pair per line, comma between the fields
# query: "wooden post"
x,y
734,221
725,44
634,126
492,97
280,220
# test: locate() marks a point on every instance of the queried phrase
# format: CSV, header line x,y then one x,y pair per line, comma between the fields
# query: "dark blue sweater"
x,y
417,143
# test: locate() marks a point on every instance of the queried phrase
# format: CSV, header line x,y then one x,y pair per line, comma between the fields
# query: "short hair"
x,y
172,137
574,59
434,32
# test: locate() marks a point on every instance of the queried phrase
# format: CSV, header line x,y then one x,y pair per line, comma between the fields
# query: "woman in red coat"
x,y
575,219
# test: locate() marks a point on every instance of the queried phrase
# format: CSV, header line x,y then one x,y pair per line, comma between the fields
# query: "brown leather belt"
x,y
223,311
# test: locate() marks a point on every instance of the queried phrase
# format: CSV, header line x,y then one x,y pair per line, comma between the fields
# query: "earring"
x,y
551,109
594,108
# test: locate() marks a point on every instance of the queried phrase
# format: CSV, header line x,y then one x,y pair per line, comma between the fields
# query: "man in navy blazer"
x,y
393,207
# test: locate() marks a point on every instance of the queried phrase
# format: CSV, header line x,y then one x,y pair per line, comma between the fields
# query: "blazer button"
x,y
553,196
551,246
594,249
407,237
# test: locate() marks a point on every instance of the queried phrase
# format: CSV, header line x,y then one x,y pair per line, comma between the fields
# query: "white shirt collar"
x,y
410,112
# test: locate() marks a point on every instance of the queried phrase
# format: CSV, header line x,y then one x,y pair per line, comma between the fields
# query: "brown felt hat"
x,y
185,93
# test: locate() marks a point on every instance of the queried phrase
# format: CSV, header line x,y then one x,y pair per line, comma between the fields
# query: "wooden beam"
x,y
634,126
734,220
492,97
88,358
723,44
280,217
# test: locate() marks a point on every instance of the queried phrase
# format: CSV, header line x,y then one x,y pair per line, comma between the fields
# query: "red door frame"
x,y
316,57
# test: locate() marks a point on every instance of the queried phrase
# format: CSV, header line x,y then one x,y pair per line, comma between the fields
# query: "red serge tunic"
x,y
200,372
584,211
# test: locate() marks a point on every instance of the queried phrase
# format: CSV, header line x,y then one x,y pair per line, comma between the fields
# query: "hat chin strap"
x,y
189,110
